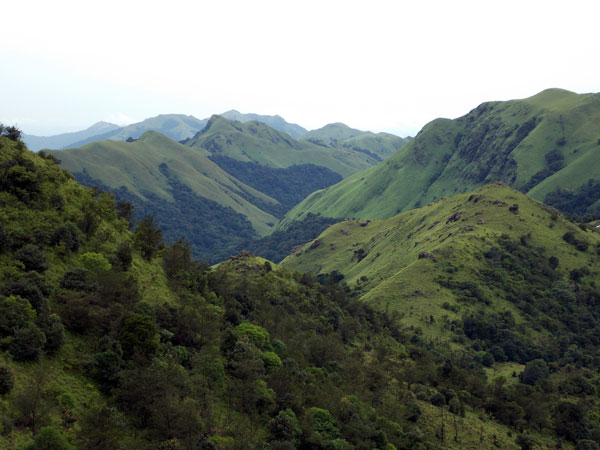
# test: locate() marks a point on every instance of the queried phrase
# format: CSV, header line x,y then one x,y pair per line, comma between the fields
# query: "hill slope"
x,y
63,140
538,144
188,194
412,262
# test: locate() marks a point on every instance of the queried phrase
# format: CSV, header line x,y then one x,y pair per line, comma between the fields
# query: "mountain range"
x,y
175,126
249,174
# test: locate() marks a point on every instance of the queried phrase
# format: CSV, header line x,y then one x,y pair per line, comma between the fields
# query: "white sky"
x,y
378,65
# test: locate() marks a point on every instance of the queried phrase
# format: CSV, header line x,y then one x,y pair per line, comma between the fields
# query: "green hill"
x,y
540,144
258,143
188,194
492,250
111,340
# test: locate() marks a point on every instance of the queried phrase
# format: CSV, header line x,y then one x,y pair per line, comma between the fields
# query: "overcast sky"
x,y
378,65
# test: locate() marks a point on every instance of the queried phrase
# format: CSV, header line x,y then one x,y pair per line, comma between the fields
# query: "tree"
x,y
284,427
27,343
125,211
147,237
534,371
139,336
50,438
7,380
32,258
12,133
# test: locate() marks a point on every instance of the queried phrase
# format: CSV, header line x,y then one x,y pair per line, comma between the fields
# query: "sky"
x,y
377,65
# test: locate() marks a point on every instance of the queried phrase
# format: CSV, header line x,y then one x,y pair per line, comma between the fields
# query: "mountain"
x,y
175,126
64,140
545,145
338,135
256,142
276,122
187,193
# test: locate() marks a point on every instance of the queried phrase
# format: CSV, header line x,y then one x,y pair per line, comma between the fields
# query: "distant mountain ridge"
x,y
544,145
175,126
277,122
61,140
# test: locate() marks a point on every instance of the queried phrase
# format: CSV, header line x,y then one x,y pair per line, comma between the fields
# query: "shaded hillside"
x,y
260,144
111,340
65,139
538,144
188,194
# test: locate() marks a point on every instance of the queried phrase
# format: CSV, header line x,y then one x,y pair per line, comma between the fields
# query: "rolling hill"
x,y
545,145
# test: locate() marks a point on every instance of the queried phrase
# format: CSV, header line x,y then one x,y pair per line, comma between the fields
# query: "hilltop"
x,y
546,146
276,122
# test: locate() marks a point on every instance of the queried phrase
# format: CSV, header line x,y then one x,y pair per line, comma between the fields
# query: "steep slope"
x,y
174,126
63,140
258,143
536,145
276,122
188,194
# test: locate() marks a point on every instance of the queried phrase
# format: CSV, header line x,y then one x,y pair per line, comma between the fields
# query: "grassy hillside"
x,y
188,194
537,145
258,143
111,340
